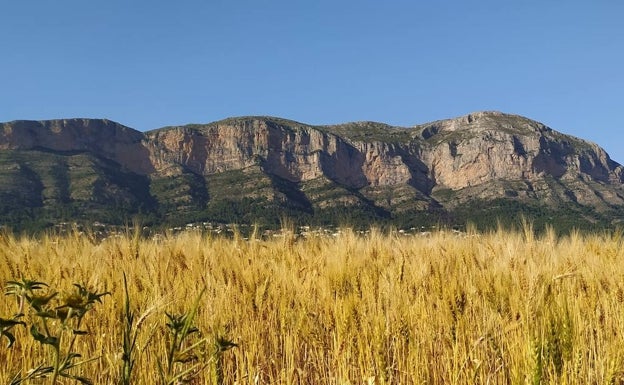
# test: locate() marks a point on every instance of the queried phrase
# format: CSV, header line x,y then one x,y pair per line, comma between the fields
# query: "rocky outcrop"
x,y
482,155
101,137
487,147
294,153
298,154
456,154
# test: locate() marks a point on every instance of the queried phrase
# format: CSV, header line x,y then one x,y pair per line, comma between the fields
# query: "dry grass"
x,y
498,308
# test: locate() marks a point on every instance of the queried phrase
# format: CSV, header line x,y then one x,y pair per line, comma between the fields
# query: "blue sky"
x,y
148,64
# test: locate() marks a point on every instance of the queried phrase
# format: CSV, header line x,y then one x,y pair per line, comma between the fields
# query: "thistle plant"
x,y
24,291
222,345
182,351
55,322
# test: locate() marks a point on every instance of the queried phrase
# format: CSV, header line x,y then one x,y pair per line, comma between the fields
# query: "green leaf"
x,y
91,296
38,301
25,284
9,323
10,337
36,335
45,340
224,344
70,357
176,322
45,314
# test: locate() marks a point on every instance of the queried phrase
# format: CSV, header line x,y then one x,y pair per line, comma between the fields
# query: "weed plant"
x,y
504,307
55,323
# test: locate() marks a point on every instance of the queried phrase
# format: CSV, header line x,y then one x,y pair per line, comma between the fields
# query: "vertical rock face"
x,y
296,152
453,154
484,155
486,147
101,137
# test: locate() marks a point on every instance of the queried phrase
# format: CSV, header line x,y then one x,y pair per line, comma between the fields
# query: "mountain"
x,y
483,167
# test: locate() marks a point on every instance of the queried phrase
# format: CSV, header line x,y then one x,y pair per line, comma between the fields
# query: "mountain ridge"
x,y
367,170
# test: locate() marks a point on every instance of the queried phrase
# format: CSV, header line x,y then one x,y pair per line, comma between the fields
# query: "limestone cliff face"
x,y
384,164
456,154
487,147
481,155
294,152
102,137
291,151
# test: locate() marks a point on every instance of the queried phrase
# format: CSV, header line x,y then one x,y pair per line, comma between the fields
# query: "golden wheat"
x,y
443,308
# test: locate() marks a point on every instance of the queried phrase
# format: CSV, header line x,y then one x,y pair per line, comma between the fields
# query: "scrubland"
x,y
504,307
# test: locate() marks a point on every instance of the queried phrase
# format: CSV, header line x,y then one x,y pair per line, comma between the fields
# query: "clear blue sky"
x,y
147,64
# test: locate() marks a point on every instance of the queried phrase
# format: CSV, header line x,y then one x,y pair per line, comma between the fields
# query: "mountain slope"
x,y
258,169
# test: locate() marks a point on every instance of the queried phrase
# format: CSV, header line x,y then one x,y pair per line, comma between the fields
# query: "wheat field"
x,y
504,307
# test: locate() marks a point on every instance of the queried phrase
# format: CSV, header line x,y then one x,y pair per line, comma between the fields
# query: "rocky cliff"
x,y
279,164
485,149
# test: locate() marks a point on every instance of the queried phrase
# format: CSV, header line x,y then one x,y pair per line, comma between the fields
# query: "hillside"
x,y
480,167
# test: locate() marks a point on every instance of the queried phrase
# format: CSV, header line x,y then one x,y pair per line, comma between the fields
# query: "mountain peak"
x,y
482,121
